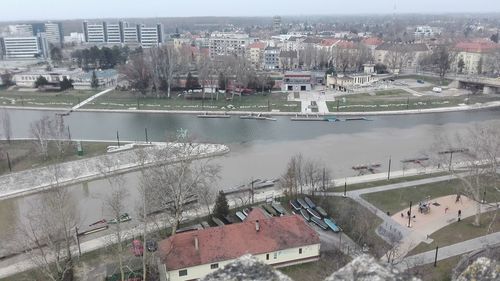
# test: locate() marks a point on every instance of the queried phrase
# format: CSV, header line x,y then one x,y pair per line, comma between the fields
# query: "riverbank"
x,y
35,180
472,107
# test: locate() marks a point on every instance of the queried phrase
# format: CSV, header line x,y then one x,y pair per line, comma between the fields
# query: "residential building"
x,y
297,81
223,44
106,78
277,23
94,32
25,47
372,43
474,55
54,33
276,241
131,34
408,55
114,33
423,31
255,53
151,36
21,30
346,82
271,58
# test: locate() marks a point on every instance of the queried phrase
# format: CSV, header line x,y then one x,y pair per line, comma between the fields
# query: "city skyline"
x,y
30,10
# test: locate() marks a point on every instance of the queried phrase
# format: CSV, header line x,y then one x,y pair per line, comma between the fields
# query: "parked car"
x,y
420,81
137,248
151,245
437,90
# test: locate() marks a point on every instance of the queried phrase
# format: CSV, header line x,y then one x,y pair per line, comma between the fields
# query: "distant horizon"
x,y
62,10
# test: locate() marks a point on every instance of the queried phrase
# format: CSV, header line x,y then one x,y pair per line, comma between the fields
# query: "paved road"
x,y
450,251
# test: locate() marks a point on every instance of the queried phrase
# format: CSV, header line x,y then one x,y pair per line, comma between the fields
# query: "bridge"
x,y
475,83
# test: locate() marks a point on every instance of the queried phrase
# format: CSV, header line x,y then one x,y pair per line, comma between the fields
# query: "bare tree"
x,y
48,233
166,62
40,130
397,57
343,58
137,73
47,131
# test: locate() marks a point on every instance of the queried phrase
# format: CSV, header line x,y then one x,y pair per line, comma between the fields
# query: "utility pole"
x,y
8,162
436,257
69,133
345,188
389,171
118,138
146,133
78,242
409,216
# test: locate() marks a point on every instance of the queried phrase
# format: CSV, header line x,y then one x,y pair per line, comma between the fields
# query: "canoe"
x,y
309,202
270,210
295,205
321,211
302,203
277,206
332,225
205,224
246,211
319,223
241,216
314,214
217,221
305,214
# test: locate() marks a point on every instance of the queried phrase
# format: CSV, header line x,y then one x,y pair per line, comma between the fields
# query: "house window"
x,y
183,272
267,256
275,255
214,266
300,251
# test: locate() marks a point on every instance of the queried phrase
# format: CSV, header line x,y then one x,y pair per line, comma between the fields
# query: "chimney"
x,y
257,226
196,246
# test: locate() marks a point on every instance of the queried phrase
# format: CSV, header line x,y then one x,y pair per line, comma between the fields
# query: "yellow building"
x,y
277,241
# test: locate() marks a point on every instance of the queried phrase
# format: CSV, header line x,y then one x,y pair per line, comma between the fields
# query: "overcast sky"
x,y
81,9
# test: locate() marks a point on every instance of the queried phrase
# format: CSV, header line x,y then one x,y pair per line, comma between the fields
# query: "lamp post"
x,y
409,216
451,151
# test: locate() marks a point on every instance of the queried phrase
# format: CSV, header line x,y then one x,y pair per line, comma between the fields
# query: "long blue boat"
x,y
331,224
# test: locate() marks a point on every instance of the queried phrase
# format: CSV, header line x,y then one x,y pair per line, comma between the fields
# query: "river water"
x,y
259,149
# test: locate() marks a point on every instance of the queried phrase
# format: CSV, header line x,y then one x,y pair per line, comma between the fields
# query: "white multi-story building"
x,y
223,44
151,36
53,32
21,30
423,31
131,34
25,47
114,33
94,32
272,58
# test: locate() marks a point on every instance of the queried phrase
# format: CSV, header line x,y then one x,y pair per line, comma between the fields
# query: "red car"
x,y
137,248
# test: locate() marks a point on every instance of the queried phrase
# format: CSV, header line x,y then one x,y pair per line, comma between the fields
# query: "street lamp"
x,y
451,151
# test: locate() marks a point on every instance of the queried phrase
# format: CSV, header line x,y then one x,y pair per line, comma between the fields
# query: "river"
x,y
259,149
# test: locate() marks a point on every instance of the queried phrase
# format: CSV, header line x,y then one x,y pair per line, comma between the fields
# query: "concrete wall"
x,y
277,259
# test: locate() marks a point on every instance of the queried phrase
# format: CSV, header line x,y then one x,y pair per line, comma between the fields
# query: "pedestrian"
x,y
459,214
445,210
402,215
408,213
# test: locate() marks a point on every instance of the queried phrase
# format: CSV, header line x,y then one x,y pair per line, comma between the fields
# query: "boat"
x,y
332,225
121,219
302,203
205,224
357,119
230,219
309,202
206,115
277,206
305,214
295,205
332,119
319,223
98,222
217,221
263,184
321,211
246,211
314,214
270,210
258,117
189,228
241,216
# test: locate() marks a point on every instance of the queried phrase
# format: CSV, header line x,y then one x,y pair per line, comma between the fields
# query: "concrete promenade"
x,y
91,99
38,179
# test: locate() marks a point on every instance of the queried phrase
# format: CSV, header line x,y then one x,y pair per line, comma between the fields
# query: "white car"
x,y
437,90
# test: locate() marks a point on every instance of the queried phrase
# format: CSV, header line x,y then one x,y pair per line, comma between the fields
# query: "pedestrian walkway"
x,y
411,91
450,251
74,108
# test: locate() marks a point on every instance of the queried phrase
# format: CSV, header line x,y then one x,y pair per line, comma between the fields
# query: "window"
x,y
267,256
183,272
275,255
214,266
300,251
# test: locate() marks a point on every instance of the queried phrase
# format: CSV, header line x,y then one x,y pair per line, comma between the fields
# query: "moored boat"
x,y
332,225
305,214
319,223
241,216
309,202
321,211
302,203
295,205
277,206
313,213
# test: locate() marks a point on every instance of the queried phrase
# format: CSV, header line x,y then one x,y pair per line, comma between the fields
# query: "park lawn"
x,y
370,184
367,102
428,79
22,154
459,231
328,263
442,271
44,99
256,102
395,200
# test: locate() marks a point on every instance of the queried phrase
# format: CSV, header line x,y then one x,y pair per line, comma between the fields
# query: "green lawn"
x,y
442,272
23,156
398,199
328,263
428,79
460,231
370,184
256,102
400,101
44,99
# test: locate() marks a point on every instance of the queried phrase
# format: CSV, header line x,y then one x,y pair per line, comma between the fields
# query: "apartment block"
x,y
223,44
123,33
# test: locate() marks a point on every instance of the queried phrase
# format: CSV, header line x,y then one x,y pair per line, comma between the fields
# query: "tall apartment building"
x,y
277,23
21,30
25,47
123,33
223,44
54,33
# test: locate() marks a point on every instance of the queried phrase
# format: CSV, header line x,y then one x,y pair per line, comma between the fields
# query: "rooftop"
x,y
235,240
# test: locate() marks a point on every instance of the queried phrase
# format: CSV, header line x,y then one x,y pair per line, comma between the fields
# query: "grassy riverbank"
x,y
63,99
23,154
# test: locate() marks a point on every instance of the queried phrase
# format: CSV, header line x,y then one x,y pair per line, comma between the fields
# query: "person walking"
x,y
459,214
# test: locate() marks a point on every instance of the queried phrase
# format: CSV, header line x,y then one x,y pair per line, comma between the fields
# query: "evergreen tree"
x,y
221,208
222,81
461,65
66,84
94,83
41,81
191,82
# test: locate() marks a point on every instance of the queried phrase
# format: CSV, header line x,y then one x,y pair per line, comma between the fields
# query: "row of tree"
x,y
102,58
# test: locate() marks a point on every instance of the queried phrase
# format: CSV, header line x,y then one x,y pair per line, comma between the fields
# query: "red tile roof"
x,y
372,41
259,45
329,42
476,47
232,241
346,44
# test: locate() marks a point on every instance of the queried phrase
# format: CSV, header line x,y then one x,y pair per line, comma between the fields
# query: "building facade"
x,y
277,241
25,47
223,44
123,33
271,58
151,36
297,81
54,33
